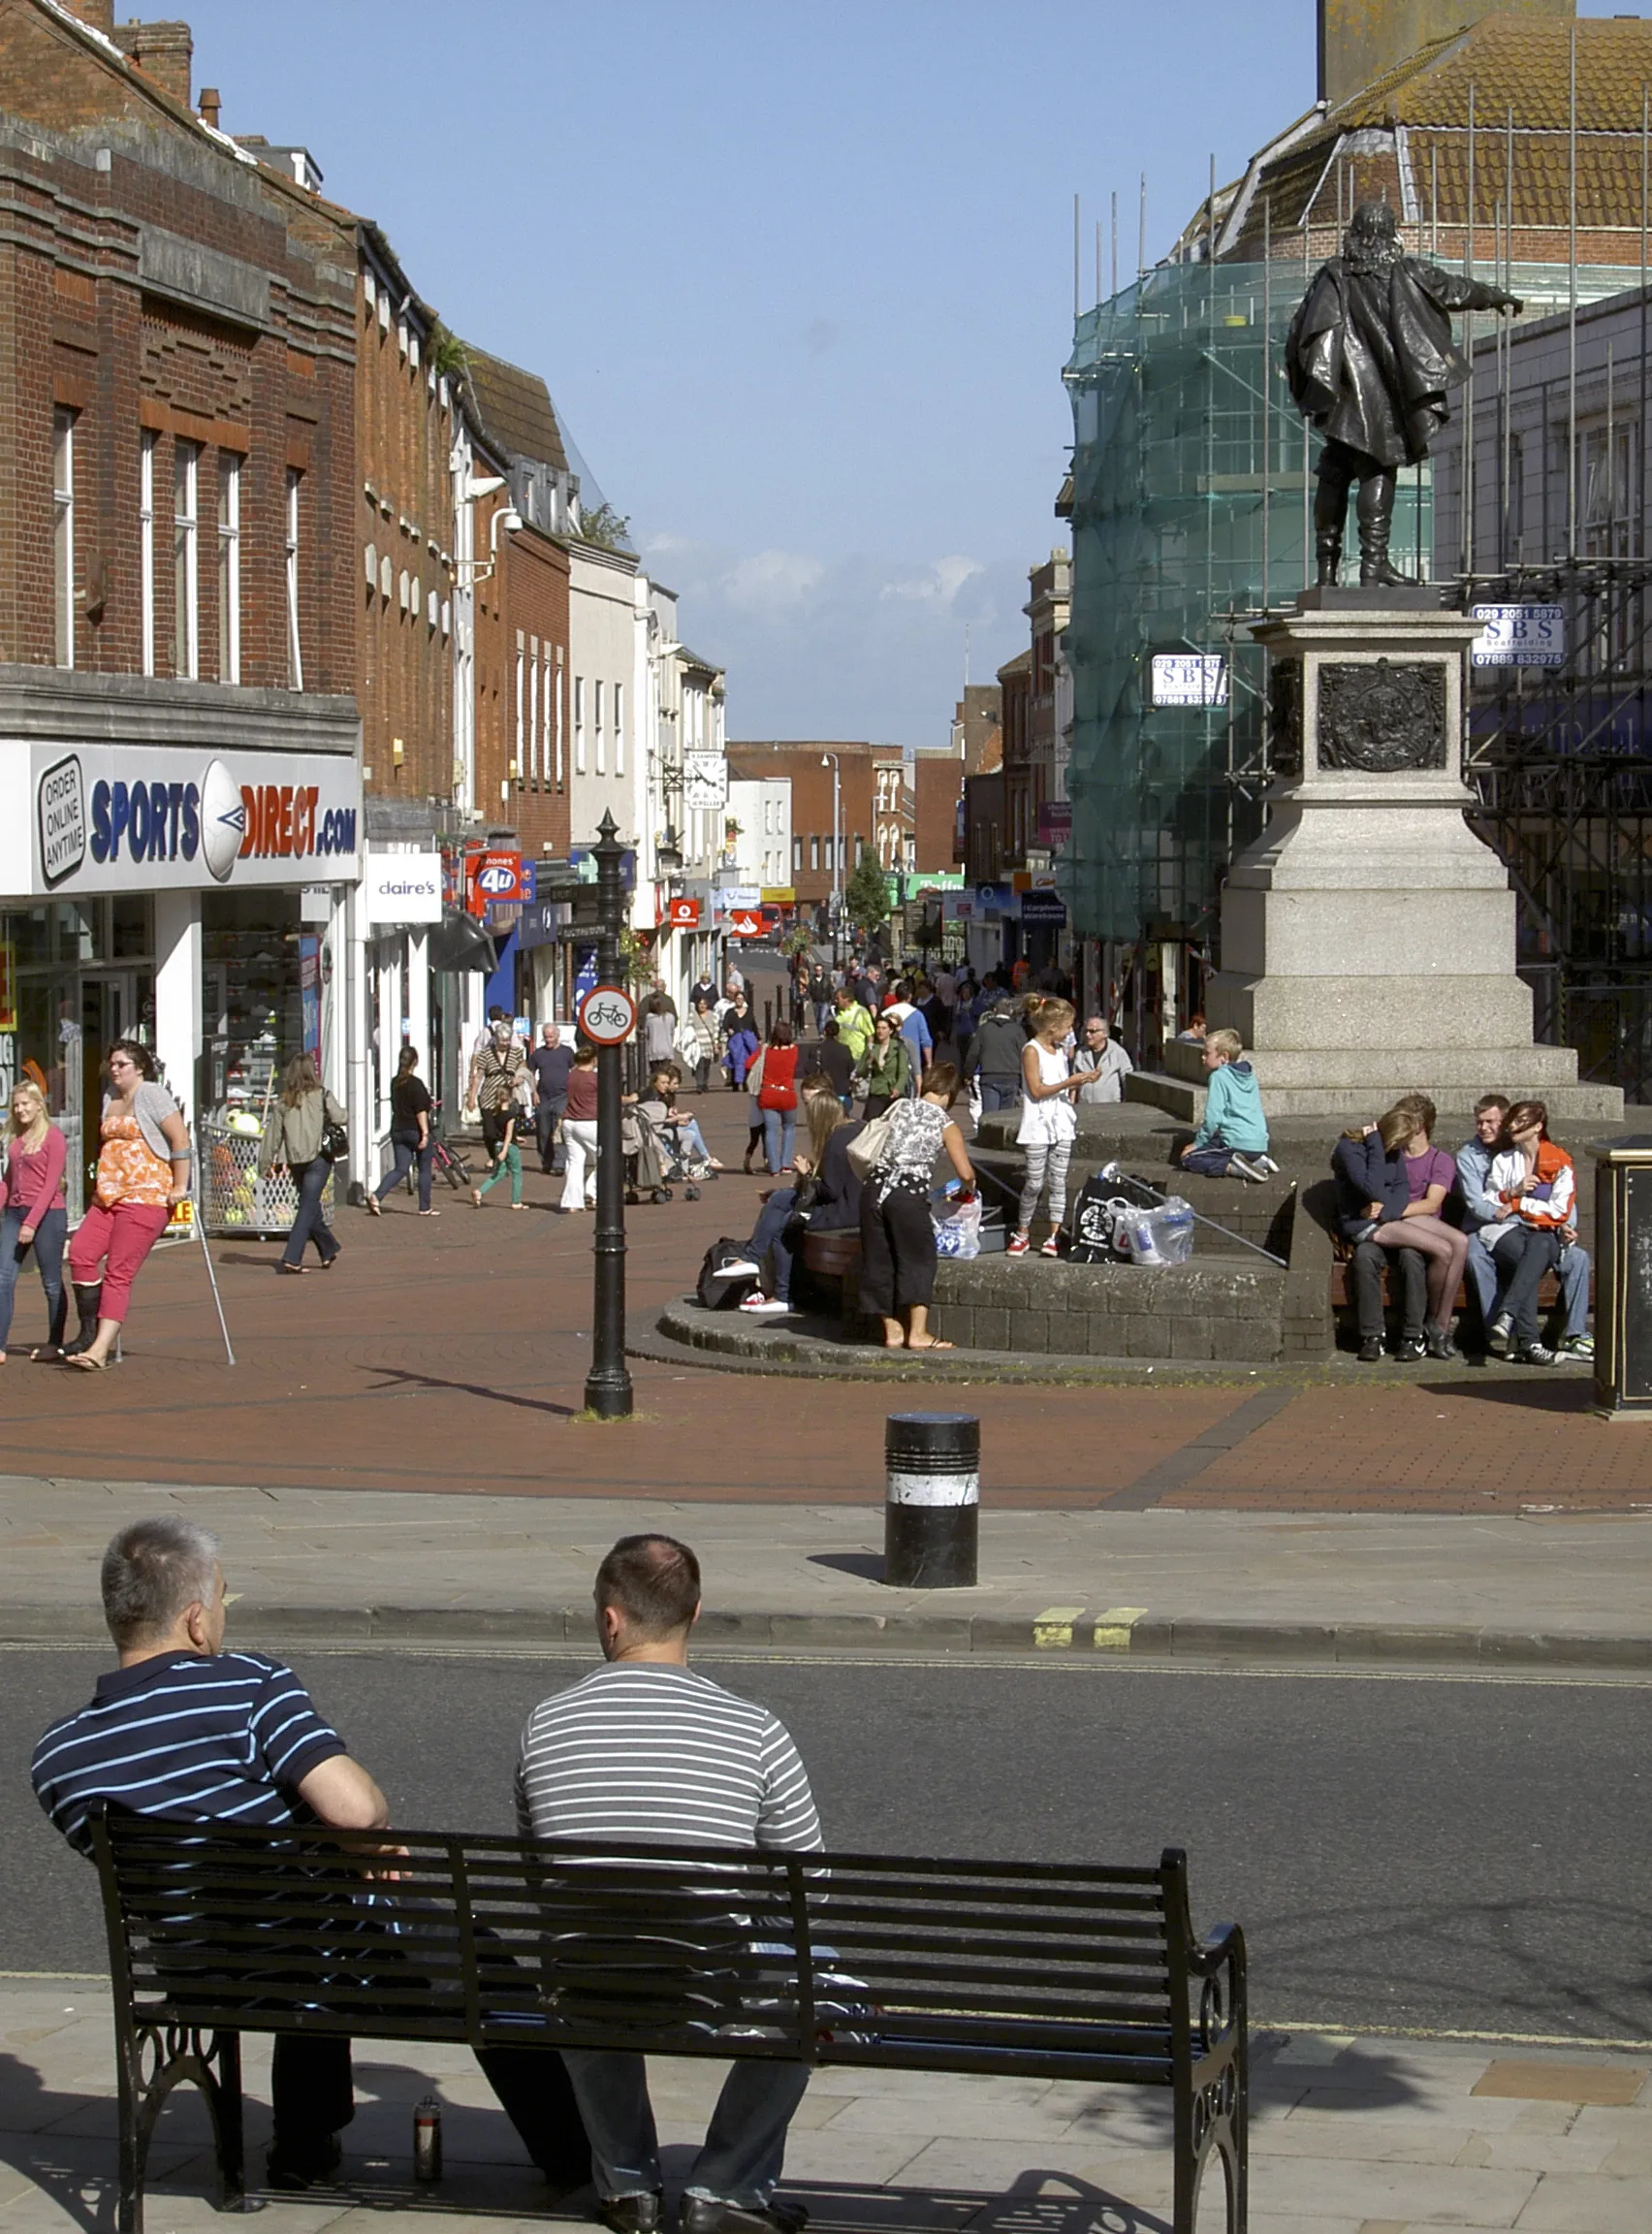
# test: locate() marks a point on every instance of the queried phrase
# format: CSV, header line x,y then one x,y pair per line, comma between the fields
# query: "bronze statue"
x,y
1370,358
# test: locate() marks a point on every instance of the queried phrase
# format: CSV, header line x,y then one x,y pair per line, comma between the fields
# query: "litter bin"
x,y
1623,1278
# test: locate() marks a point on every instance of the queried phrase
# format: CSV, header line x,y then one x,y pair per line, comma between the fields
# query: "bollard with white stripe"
x,y
934,1500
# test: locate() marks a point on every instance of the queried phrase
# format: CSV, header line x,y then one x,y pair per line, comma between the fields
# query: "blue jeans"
x,y
779,1132
408,1153
1484,1268
769,1234
745,2145
310,1222
52,1235
1003,1092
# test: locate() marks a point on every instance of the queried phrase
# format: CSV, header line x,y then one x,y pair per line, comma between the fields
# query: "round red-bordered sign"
x,y
607,1015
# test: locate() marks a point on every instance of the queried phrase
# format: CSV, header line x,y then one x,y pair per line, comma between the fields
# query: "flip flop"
x,y
87,1362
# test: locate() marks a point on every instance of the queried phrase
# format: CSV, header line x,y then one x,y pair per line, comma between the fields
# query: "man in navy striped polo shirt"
x,y
184,1730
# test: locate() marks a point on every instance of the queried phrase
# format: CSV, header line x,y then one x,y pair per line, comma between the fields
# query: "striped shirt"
x,y
195,1738
650,1752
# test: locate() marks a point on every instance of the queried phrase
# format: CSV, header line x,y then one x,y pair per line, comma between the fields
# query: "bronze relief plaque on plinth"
x,y
1378,718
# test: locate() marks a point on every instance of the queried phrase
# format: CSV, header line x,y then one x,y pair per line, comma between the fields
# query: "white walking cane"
x,y
205,1254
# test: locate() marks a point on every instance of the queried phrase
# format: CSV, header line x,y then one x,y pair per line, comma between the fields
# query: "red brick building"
x,y
809,769
178,626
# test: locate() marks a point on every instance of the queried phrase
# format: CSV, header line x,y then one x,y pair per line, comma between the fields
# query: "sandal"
x,y
87,1363
294,1269
371,1205
476,1198
47,1354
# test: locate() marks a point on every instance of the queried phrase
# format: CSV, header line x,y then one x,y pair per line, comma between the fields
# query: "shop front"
x,y
191,898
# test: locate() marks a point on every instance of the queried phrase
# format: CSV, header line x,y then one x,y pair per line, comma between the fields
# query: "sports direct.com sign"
x,y
103,819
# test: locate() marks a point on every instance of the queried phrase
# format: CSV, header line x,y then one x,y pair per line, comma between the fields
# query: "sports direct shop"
x,y
191,898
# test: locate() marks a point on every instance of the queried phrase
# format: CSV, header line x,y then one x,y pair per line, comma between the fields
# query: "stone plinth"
x,y
1368,936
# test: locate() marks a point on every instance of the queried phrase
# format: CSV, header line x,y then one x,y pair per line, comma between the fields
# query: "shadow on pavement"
x,y
868,1565
394,1377
1039,2203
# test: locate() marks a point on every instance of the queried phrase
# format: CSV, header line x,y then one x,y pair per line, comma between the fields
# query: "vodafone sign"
x,y
110,819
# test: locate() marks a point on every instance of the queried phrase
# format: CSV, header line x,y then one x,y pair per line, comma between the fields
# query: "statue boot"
x,y
1328,552
1376,571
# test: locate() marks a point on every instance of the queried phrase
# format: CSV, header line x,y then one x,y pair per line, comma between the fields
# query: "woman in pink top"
x,y
36,1215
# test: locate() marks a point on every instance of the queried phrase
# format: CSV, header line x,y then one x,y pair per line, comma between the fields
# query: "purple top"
x,y
34,1177
1434,1169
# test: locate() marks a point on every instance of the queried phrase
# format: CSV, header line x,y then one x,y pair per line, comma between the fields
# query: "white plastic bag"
x,y
959,1232
1164,1235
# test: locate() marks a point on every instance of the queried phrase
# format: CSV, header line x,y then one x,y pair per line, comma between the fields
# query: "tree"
x,y
866,895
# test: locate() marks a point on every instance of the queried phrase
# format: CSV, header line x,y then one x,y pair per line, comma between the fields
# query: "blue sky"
x,y
799,272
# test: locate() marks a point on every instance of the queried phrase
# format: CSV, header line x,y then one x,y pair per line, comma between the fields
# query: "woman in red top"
x,y
777,1098
36,1215
578,1129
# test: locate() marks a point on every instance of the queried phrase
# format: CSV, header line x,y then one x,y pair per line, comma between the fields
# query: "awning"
x,y
460,944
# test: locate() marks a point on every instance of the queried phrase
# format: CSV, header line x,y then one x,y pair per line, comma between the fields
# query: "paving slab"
x,y
903,2152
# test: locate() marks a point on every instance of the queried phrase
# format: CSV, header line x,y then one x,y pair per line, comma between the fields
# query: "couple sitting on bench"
x,y
640,1750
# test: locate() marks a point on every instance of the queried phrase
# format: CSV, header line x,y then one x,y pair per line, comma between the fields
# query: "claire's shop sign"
x,y
114,819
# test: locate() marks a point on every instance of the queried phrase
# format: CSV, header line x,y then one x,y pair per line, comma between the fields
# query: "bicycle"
x,y
446,1161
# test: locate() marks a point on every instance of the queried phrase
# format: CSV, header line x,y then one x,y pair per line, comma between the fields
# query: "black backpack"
x,y
717,1289
1096,1223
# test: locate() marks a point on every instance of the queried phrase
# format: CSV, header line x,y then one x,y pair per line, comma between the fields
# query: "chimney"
x,y
210,105
1361,40
163,51
96,15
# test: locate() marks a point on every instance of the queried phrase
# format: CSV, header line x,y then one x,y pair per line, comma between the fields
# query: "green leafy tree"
x,y
866,895
605,528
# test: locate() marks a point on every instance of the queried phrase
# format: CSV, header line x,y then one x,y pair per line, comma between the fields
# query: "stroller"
x,y
661,1144
645,1160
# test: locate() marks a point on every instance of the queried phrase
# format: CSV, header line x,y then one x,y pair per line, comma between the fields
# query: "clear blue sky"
x,y
799,272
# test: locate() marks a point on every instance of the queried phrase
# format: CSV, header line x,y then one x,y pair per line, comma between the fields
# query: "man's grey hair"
x,y
152,1573
1101,1020
550,1032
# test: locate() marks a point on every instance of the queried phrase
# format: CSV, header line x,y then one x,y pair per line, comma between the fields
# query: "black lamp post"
x,y
608,1384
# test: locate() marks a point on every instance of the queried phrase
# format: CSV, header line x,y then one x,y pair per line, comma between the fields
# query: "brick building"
x,y
809,766
939,773
180,767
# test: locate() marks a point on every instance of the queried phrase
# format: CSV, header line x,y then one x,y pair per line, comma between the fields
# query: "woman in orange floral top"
x,y
143,1170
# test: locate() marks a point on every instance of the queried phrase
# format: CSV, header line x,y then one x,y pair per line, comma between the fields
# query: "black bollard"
x,y
933,1502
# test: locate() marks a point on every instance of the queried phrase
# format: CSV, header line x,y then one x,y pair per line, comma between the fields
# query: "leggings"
x,y
509,1160
125,1234
1045,1159
1445,1249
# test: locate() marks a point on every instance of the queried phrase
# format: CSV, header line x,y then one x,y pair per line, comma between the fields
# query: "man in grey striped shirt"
x,y
645,1750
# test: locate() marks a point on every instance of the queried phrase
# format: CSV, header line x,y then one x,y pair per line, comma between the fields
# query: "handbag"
x,y
865,1152
335,1143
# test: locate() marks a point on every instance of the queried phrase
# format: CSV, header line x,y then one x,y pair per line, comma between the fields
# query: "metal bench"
x,y
876,1961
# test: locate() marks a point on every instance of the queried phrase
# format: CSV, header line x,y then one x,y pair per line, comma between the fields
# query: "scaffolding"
x,y
1560,763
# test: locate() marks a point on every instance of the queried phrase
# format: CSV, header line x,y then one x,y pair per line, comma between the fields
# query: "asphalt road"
x,y
1401,1852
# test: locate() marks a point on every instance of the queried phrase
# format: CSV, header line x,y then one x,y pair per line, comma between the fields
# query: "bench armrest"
x,y
1219,1963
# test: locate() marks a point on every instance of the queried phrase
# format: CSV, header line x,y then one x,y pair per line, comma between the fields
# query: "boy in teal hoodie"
x,y
1234,1135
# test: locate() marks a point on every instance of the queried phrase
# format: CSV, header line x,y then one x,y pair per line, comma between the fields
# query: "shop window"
x,y
186,560
146,544
63,534
229,566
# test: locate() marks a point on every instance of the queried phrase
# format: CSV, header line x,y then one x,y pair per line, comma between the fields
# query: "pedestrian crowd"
x,y
641,1750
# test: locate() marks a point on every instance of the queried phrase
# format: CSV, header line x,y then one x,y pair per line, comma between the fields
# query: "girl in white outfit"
x,y
1048,1122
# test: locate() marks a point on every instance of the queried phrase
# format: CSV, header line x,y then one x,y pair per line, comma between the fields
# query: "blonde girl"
x,y
35,1216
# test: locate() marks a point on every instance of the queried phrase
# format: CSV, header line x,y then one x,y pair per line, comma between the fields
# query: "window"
x,y
519,762
533,717
186,560
146,546
63,533
813,852
579,726
596,711
797,855
559,728
229,567
294,650
619,728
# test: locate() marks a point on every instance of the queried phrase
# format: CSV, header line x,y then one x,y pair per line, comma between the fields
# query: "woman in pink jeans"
x,y
143,1170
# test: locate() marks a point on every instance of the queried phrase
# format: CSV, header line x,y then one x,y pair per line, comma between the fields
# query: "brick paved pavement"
x,y
451,1356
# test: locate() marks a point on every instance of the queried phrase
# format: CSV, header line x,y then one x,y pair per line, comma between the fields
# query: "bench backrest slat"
x,y
706,1950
